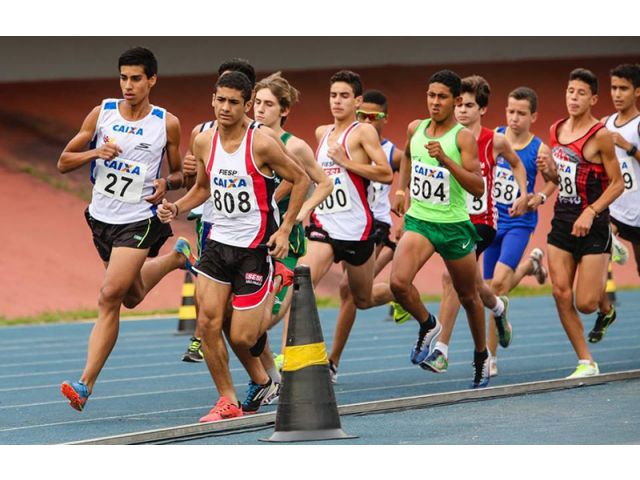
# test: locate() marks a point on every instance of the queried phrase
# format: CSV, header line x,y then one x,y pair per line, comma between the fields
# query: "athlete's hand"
x,y
189,166
160,185
338,154
620,141
435,150
302,214
279,244
545,163
533,202
583,224
108,151
398,206
167,211
520,206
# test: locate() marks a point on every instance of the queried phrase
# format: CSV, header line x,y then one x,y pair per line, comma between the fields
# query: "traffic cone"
x,y
611,286
307,408
187,312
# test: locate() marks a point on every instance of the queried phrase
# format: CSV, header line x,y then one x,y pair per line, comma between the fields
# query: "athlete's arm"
x,y
502,147
75,154
324,186
547,168
468,174
398,206
161,185
377,169
396,159
189,163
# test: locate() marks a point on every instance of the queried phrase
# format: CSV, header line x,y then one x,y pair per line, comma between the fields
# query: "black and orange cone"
x,y
187,312
307,408
611,286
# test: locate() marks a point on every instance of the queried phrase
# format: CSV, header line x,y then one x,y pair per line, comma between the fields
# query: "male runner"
x,y
624,126
504,266
580,237
373,110
236,165
128,138
491,145
439,166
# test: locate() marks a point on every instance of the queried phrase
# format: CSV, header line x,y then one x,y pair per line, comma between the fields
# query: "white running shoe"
x,y
619,253
493,366
539,271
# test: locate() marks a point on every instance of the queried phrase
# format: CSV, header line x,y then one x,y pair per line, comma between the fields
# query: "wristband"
x,y
177,209
168,184
542,196
400,192
593,210
632,151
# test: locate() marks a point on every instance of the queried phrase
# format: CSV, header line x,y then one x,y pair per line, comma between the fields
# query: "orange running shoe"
x,y
77,394
223,410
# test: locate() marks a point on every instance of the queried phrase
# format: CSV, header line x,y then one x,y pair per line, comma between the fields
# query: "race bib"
x,y
477,205
505,188
429,183
628,174
567,173
120,179
339,200
232,196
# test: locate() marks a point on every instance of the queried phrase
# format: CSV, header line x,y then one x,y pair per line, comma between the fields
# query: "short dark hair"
x,y
352,78
628,71
376,97
477,86
448,78
587,77
237,81
239,65
140,56
526,93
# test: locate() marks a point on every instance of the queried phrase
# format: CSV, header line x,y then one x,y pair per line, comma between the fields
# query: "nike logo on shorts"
x,y
466,244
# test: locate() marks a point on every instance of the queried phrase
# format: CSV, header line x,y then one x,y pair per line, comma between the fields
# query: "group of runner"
x,y
462,190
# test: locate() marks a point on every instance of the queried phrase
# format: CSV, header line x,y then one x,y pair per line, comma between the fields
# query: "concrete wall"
x,y
67,58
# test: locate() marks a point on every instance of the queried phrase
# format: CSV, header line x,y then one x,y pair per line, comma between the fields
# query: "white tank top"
x,y
626,208
120,185
206,209
345,214
244,212
379,192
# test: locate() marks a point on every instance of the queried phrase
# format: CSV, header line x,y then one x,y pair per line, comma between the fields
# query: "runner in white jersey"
x,y
374,110
128,139
236,166
624,212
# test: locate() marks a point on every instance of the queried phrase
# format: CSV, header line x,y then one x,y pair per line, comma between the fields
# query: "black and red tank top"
x,y
482,210
581,181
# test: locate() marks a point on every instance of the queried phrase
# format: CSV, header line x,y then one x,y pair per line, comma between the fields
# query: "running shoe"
x,y
400,315
333,372
436,362
256,395
194,352
481,371
278,360
602,323
184,248
273,396
427,339
77,393
619,253
493,366
285,273
585,370
503,327
223,410
539,271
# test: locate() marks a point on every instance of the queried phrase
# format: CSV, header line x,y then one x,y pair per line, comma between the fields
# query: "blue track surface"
x,y
145,385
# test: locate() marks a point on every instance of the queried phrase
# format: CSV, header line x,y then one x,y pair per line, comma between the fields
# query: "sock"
x,y
274,375
258,348
585,362
444,348
499,308
428,324
480,356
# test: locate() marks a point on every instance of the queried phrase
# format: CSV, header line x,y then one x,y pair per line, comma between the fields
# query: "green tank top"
x,y
436,196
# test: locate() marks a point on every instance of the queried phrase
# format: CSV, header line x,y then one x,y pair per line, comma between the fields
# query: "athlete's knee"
x,y
446,280
132,300
362,302
587,305
243,338
110,295
399,287
500,286
345,291
469,299
562,295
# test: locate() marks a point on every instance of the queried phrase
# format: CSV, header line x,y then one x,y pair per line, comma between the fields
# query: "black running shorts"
x,y
597,241
355,252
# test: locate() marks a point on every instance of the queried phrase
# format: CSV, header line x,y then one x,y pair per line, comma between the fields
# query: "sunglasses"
x,y
371,116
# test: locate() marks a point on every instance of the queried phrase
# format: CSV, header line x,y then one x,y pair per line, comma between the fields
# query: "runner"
x,y
580,237
625,210
128,139
504,266
440,165
491,145
235,263
374,110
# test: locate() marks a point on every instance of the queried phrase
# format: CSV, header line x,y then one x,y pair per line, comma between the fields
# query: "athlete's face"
x,y
440,102
519,116
342,101
372,108
229,106
623,94
135,84
266,108
579,98
468,112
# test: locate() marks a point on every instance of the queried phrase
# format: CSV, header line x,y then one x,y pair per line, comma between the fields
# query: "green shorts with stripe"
x,y
290,262
451,240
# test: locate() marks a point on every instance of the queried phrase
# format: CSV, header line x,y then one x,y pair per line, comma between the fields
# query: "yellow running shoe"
x,y
400,315
585,370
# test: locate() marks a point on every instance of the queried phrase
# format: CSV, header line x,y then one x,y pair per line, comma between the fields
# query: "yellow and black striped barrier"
x,y
187,312
611,286
307,408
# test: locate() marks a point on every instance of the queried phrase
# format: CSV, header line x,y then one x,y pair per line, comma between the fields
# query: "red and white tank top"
x,y
345,214
482,210
244,208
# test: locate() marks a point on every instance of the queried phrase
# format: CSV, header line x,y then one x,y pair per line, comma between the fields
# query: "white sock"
x,y
444,348
274,374
499,308
585,362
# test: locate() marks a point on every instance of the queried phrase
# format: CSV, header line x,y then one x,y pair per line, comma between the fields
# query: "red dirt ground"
x,y
48,261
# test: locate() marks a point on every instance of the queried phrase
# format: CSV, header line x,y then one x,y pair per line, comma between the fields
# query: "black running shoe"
x,y
481,375
602,323
257,394
194,352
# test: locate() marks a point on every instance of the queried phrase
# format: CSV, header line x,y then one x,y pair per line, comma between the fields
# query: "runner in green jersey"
x,y
440,165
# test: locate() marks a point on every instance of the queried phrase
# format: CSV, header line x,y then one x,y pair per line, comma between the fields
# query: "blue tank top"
x,y
528,156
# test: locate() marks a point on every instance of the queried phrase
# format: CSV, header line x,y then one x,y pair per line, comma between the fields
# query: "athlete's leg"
x,y
383,259
345,321
591,281
449,308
